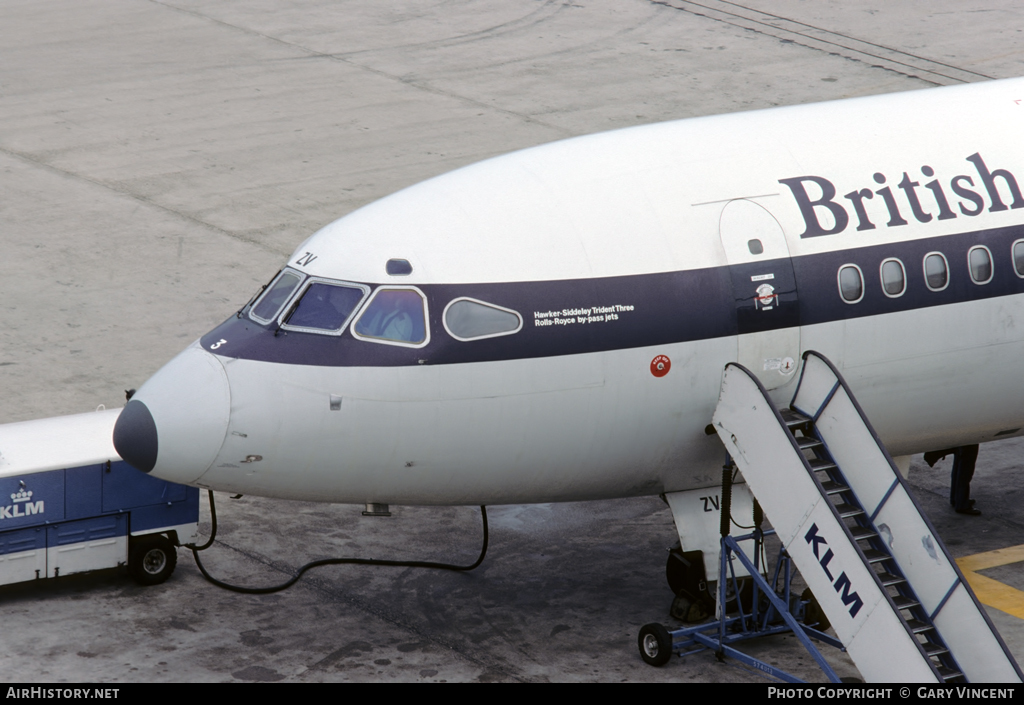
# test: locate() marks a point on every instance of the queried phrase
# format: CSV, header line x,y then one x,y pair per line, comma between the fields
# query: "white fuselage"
x,y
644,239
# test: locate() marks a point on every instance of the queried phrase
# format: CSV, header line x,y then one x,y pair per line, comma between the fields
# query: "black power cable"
x,y
326,561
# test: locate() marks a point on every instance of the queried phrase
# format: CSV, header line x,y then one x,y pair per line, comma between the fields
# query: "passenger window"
x,y
324,307
755,247
894,278
394,316
1018,258
468,319
936,271
274,298
851,283
979,261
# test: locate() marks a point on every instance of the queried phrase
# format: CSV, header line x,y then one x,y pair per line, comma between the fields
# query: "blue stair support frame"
x,y
719,635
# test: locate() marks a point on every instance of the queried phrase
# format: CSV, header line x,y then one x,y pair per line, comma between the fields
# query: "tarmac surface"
x,y
159,160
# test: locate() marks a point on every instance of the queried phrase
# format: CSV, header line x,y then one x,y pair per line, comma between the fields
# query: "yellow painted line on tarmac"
x,y
992,559
992,592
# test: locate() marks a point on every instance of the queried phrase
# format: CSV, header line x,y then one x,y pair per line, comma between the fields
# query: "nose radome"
x,y
174,426
135,437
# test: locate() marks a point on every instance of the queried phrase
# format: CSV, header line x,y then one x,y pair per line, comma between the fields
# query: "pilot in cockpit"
x,y
397,323
324,306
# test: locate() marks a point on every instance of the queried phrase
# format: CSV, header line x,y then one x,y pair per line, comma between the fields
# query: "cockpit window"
x,y
280,290
396,316
324,307
468,319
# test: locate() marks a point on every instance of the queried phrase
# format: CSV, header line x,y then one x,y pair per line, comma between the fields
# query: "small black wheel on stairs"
x,y
655,644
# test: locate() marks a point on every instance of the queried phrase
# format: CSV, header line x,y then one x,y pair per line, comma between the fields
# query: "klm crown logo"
x,y
21,504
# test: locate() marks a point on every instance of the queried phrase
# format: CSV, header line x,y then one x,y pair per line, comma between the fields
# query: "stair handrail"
x,y
835,511
841,381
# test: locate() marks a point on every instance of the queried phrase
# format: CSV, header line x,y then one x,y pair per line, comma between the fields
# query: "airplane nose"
x,y
174,426
135,436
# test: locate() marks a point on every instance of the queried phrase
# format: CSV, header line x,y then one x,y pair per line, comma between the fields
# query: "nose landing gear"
x,y
695,596
770,609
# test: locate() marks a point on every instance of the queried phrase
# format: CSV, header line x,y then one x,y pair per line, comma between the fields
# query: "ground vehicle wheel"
x,y
151,559
655,644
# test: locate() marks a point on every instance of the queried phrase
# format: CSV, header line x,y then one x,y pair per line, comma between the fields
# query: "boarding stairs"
x,y
879,572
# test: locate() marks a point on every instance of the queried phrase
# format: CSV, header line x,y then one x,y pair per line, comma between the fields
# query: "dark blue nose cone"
x,y
135,436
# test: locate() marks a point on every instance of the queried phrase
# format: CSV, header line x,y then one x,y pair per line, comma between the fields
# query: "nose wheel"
x,y
151,559
695,595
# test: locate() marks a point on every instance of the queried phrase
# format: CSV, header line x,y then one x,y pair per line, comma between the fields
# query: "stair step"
x,y
808,443
793,419
919,627
874,556
848,510
860,533
904,603
934,649
890,580
834,487
949,674
819,464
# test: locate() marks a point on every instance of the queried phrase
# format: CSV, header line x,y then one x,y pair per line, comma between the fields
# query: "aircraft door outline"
x,y
764,287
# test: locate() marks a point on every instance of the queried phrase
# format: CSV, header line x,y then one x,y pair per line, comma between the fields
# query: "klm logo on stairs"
x,y
842,583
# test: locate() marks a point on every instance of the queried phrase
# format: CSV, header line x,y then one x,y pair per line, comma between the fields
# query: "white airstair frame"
x,y
883,577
